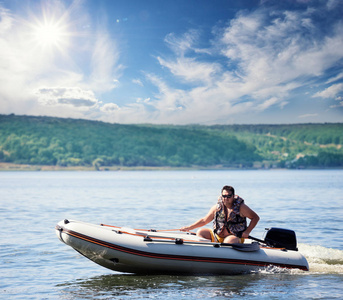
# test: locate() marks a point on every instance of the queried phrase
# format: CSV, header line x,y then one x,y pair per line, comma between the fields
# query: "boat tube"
x,y
137,251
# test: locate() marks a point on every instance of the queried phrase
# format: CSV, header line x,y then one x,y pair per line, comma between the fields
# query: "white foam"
x,y
323,260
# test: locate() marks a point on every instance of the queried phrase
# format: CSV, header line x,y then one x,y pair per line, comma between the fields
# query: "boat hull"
x,y
128,251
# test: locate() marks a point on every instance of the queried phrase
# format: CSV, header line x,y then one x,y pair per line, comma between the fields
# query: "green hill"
x,y
71,142
294,145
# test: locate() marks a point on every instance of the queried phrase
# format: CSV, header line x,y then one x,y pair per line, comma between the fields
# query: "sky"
x,y
173,62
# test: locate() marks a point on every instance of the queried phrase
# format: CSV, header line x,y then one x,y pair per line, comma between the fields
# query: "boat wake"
x,y
322,260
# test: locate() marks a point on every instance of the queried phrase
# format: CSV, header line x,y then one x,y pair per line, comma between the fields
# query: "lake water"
x,y
36,265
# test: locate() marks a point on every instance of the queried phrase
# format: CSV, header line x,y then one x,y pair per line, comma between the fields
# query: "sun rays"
x,y
50,30
50,34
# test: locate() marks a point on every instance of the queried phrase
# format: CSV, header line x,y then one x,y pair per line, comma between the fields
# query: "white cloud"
x,y
73,96
330,92
105,66
146,100
109,107
255,64
6,20
336,78
272,53
266,104
167,98
191,70
339,105
307,116
138,82
184,44
32,76
279,47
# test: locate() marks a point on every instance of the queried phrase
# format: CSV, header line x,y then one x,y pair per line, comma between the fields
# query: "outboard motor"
x,y
281,238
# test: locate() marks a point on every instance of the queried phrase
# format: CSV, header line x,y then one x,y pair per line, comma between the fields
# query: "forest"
x,y
74,142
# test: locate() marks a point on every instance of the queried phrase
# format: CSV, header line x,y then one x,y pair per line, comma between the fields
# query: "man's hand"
x,y
185,228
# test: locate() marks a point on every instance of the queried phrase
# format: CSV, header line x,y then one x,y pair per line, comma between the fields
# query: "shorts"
x,y
217,239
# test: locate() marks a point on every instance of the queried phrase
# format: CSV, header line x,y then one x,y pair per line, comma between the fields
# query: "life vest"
x,y
234,223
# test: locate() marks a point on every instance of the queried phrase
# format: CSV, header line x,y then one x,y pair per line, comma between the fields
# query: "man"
x,y
229,219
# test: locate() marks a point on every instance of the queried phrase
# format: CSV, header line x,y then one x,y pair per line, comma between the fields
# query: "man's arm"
x,y
201,222
245,211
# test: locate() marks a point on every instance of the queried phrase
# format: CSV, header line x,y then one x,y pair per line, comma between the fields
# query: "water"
x,y
36,265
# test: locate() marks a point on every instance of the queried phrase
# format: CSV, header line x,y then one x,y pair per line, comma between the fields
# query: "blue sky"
x,y
173,62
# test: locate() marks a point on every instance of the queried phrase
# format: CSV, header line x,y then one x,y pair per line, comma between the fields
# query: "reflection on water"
x,y
186,287
156,286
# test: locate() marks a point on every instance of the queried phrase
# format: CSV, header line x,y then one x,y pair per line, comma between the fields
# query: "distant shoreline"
x,y
27,167
4,167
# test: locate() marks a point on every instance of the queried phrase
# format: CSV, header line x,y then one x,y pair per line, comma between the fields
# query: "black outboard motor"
x,y
281,238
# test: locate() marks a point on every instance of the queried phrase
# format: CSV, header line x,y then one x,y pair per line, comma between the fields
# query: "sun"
x,y
50,34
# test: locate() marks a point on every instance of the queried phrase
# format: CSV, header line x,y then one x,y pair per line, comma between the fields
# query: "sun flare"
x,y
50,34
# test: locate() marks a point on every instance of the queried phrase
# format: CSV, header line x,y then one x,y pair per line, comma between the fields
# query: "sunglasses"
x,y
227,196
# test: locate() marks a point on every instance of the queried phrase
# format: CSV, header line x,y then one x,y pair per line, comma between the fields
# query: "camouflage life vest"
x,y
234,223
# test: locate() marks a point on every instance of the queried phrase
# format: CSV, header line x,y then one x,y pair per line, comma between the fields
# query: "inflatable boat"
x,y
138,251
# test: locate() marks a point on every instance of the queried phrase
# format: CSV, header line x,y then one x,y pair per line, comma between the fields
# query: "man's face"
x,y
227,197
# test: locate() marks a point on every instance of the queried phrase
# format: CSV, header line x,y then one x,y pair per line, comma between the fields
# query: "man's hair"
x,y
229,189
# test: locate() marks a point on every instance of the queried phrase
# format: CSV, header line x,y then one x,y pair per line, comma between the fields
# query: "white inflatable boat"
x,y
154,252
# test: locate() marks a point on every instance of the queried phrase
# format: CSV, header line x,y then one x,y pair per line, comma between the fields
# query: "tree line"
x,y
71,142
294,145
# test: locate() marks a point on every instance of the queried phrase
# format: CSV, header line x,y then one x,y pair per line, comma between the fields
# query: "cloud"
x,y
184,44
186,68
268,54
261,62
339,105
307,116
279,46
6,20
336,78
104,63
146,100
72,96
191,70
332,4
138,82
269,102
109,107
66,75
330,92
